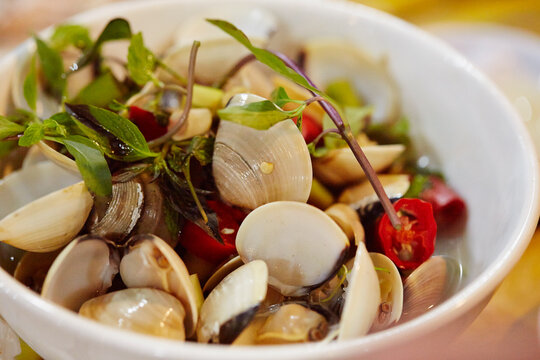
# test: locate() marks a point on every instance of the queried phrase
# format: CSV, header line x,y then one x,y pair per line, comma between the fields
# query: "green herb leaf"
x,y
343,93
52,66
259,115
264,56
91,164
317,152
9,128
52,128
390,133
65,35
202,148
33,134
418,184
280,97
141,61
116,29
100,92
30,85
120,127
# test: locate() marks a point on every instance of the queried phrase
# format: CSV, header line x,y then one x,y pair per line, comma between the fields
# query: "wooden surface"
x,y
508,328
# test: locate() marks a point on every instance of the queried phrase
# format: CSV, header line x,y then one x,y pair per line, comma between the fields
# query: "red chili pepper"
x,y
414,243
147,123
310,128
448,206
199,243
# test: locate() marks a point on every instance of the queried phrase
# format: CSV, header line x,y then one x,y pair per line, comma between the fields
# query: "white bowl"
x,y
457,116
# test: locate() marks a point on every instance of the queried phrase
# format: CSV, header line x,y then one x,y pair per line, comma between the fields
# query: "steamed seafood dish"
x,y
220,191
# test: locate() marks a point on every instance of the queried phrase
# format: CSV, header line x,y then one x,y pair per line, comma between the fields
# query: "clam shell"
x,y
198,122
327,60
348,220
362,297
391,292
232,304
302,246
84,269
360,195
151,262
254,167
221,272
339,167
38,213
33,268
146,311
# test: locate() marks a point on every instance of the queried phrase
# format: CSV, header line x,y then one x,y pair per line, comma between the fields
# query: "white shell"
x,y
241,154
348,220
391,292
221,272
327,60
218,52
40,211
234,301
302,246
360,195
83,270
362,297
147,311
151,262
340,167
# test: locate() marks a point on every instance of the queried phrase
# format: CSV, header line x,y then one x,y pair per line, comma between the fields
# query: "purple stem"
x,y
353,144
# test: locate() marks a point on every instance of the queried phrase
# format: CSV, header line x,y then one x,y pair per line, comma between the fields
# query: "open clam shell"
x,y
348,220
84,269
362,297
146,311
151,262
326,60
302,246
232,304
254,167
221,272
391,292
42,208
339,167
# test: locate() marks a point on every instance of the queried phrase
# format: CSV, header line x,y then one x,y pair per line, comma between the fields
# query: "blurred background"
x,y
502,38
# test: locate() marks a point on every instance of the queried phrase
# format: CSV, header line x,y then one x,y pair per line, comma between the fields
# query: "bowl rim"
x,y
468,297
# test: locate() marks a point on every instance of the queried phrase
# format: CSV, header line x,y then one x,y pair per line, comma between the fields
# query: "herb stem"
x,y
12,137
347,135
189,98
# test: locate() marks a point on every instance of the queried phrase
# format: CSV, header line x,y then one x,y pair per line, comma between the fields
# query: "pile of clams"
x,y
299,272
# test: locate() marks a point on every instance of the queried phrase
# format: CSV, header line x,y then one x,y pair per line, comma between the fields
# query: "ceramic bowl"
x,y
457,117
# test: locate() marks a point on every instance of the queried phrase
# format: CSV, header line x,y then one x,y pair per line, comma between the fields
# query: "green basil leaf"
x,y
264,56
390,133
30,85
260,115
141,61
116,29
202,149
317,152
52,128
65,35
33,134
418,184
52,66
343,93
280,97
100,92
123,129
9,128
91,164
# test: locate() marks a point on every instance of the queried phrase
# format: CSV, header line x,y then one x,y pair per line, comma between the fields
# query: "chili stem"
x,y
346,134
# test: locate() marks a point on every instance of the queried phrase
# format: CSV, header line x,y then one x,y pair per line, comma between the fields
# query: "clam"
x,y
232,304
198,122
428,285
32,269
339,167
391,292
251,78
84,269
360,195
218,52
44,207
146,311
293,323
329,59
348,220
121,213
151,262
302,246
221,272
254,167
362,297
